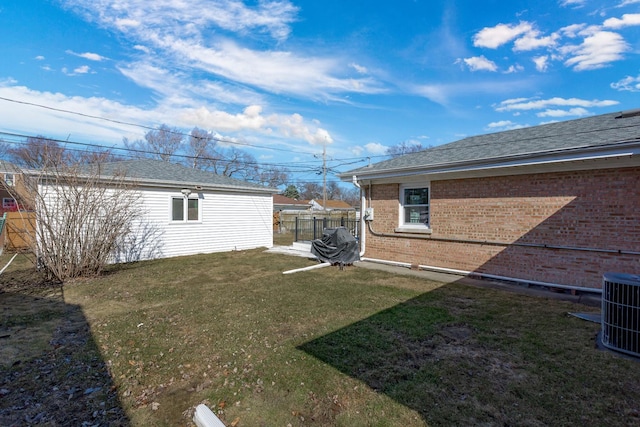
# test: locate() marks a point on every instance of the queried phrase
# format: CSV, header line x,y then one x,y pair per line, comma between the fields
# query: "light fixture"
x,y
186,192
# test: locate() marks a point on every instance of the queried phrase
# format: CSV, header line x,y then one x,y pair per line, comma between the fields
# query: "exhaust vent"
x,y
621,312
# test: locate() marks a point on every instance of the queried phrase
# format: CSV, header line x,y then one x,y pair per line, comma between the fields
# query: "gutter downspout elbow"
x,y
363,206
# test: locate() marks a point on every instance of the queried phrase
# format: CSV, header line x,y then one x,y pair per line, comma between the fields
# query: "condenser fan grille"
x,y
621,312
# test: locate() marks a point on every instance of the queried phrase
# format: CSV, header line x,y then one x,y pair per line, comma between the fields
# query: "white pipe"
x,y
204,417
486,276
363,206
5,267
313,267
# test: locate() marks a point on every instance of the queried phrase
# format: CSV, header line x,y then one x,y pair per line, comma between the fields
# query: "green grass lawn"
x,y
352,347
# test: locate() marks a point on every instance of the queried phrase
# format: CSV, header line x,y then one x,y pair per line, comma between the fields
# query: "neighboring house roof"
x,y
160,173
560,141
331,204
280,200
7,167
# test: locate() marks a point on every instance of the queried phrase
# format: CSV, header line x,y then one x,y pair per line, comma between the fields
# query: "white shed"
x,y
189,211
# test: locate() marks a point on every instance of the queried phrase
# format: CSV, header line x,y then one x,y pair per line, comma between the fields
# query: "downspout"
x,y
363,206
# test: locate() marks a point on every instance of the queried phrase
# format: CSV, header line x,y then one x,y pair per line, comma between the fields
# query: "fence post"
x,y
314,228
295,239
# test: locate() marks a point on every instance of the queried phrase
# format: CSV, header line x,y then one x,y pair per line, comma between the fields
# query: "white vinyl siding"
x,y
228,221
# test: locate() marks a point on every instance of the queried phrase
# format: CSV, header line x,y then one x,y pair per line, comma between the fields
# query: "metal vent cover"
x,y
621,312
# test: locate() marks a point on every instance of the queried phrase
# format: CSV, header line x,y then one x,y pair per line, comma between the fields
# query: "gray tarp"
x,y
337,246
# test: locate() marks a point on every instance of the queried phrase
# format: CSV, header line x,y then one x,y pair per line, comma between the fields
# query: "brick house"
x,y
13,186
556,204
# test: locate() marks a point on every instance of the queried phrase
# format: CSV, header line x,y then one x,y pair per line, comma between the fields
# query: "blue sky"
x,y
285,78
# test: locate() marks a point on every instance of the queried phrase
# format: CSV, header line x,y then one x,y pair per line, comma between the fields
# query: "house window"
x,y
9,203
8,179
415,206
181,210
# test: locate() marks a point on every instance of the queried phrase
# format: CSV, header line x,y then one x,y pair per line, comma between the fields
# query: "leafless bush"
x,y
84,219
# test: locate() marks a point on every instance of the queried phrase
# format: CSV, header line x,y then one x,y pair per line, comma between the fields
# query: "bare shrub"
x,y
84,219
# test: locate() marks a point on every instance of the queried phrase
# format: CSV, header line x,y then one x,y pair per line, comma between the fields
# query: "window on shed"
x,y
415,206
177,208
192,210
180,210
8,179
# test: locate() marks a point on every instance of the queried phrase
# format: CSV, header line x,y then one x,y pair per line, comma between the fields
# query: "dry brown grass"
x,y
352,347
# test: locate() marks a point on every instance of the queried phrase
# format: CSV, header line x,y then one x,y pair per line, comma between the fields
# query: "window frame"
x,y
185,210
13,203
414,226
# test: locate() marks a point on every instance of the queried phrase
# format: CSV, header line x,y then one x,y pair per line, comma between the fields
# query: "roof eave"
x,y
626,148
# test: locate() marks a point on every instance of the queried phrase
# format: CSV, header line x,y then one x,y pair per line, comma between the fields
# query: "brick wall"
x,y
589,209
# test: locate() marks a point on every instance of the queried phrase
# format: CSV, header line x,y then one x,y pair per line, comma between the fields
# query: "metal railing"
x,y
311,229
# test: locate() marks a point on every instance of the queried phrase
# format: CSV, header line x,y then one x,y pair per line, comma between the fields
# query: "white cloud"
x,y
359,68
524,104
568,3
275,71
630,84
563,113
83,69
375,148
88,55
542,63
628,2
180,33
596,51
250,121
628,20
180,18
500,124
494,37
443,93
572,30
503,125
514,69
532,41
437,93
39,58
480,63
180,90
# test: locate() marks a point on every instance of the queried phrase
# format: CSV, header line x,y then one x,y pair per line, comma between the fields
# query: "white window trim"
x,y
185,210
408,227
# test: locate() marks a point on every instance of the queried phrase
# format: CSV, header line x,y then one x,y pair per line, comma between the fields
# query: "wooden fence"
x,y
20,230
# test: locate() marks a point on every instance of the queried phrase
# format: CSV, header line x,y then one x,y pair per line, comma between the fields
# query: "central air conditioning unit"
x,y
621,312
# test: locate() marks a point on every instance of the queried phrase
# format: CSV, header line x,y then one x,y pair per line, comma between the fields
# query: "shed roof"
x,y
157,172
607,130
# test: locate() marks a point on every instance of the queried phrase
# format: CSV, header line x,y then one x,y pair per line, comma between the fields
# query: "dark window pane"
x,y
192,214
416,215
416,196
177,209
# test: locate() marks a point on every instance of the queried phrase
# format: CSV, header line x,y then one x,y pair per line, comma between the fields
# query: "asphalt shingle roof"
x,y
157,171
593,131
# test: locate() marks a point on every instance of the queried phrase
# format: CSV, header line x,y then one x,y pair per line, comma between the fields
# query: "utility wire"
x,y
298,167
151,128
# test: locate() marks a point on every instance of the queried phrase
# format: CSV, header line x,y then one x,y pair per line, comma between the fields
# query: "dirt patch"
x,y
51,372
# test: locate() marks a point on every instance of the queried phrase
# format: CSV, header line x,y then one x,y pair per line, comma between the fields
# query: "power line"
x,y
151,128
297,167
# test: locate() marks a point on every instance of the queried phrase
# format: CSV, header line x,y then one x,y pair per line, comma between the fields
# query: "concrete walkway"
x,y
586,298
